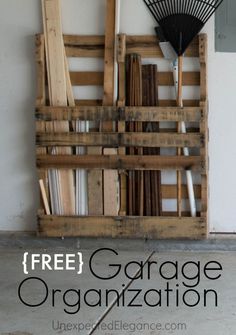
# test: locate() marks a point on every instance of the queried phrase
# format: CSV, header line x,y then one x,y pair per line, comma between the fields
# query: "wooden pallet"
x,y
169,226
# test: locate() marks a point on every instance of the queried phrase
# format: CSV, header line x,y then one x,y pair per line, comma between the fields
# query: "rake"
x,y
182,20
179,22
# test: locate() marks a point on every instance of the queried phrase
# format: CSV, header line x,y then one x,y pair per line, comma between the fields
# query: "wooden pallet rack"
x,y
167,226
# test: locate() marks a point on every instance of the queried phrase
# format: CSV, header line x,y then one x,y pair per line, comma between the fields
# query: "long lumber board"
x,y
110,177
101,181
57,83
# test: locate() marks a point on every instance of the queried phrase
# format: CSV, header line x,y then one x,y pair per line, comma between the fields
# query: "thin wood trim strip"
x,y
122,227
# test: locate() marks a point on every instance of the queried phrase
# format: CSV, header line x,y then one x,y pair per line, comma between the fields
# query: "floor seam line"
x,y
110,307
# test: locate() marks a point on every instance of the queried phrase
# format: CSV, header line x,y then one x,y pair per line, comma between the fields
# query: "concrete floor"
x,y
17,319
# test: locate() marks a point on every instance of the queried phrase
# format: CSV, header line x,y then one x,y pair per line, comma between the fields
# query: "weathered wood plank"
x,y
85,52
148,46
97,113
82,40
93,46
87,78
88,102
84,46
121,139
186,103
121,162
122,227
170,192
162,103
111,187
55,56
95,186
110,177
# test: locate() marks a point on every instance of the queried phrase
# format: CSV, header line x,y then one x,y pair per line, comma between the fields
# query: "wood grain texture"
x,y
93,161
95,185
111,187
41,70
204,125
123,227
166,140
58,91
93,46
103,113
44,197
110,177
121,124
88,78
147,46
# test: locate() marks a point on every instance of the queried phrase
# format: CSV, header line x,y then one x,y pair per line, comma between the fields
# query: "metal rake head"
x,y
182,20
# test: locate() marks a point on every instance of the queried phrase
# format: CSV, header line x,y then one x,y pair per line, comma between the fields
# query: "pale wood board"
x,y
44,197
111,188
110,178
95,187
58,92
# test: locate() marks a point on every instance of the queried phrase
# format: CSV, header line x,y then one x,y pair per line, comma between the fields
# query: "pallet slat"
x,y
144,114
120,140
145,45
122,227
164,78
121,162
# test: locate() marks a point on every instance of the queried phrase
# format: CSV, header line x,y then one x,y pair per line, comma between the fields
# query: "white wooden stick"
x,y
44,197
189,176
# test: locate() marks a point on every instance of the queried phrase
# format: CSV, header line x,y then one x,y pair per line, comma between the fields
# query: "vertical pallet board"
x,y
110,177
